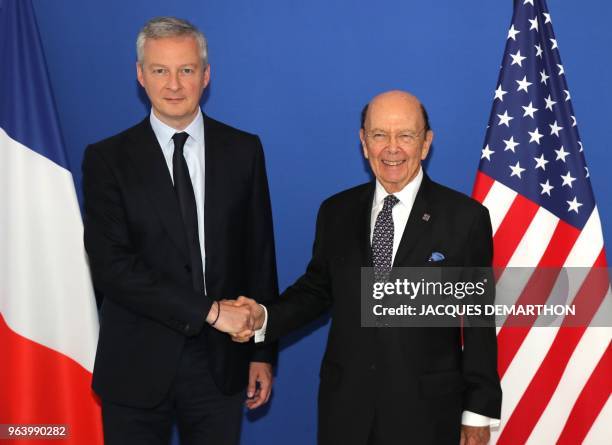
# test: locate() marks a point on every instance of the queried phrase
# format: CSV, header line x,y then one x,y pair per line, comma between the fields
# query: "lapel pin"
x,y
426,217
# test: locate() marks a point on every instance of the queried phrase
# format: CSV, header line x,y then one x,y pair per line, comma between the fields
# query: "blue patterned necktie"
x,y
382,240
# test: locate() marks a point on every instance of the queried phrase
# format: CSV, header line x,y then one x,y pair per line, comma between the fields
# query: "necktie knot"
x,y
390,201
179,140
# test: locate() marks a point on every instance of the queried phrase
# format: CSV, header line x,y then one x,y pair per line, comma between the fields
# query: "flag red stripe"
x,y
42,386
543,385
538,288
590,402
482,185
511,230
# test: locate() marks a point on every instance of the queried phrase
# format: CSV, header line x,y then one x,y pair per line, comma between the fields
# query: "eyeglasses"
x,y
405,139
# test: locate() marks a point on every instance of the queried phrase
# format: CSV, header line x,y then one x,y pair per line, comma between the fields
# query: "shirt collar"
x,y
164,132
406,196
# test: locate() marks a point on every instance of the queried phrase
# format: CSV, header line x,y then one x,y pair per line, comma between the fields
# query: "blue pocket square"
x,y
436,256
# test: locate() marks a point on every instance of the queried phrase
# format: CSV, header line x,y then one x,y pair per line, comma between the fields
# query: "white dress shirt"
x,y
194,156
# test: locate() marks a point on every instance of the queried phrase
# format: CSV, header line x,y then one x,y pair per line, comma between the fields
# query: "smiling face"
x,y
173,75
394,139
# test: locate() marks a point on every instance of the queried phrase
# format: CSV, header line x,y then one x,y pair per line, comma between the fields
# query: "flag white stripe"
x,y
583,361
498,201
522,369
588,245
535,240
45,288
599,434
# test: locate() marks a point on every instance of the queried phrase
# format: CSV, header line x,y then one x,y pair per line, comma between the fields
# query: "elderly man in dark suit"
x,y
177,218
389,386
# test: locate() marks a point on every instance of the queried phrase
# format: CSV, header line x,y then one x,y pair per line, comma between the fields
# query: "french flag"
x,y
48,318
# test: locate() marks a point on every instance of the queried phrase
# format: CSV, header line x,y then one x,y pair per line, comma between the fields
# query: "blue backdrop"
x,y
297,73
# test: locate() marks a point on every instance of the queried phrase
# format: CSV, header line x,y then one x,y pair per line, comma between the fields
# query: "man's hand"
x,y
230,317
475,435
258,314
260,384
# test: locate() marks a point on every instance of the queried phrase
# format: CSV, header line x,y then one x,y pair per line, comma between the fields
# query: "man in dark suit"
x,y
177,218
388,386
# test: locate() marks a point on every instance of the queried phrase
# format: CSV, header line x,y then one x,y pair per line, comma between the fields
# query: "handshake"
x,y
240,318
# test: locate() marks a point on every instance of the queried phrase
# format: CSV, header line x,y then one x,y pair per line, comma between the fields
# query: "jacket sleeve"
x,y
260,254
309,296
483,393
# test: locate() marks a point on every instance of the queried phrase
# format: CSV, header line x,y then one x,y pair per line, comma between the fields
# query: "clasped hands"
x,y
240,318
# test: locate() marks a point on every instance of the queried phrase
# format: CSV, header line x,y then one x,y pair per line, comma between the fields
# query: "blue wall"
x,y
297,73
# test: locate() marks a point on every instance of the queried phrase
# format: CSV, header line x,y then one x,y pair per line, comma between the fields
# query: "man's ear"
x,y
363,143
427,144
139,74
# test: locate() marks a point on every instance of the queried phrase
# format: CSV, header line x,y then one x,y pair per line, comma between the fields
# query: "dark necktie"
x,y
382,240
186,199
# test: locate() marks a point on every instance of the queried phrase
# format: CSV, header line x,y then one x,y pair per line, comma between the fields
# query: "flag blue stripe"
x,y
27,107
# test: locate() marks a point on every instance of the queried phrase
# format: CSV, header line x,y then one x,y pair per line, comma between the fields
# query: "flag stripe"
x,y
541,388
498,201
46,387
590,354
482,186
536,241
512,229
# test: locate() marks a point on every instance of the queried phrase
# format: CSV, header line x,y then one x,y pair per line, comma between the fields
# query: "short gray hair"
x,y
162,27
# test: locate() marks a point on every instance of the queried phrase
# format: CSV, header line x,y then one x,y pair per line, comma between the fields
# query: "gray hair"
x,y
162,27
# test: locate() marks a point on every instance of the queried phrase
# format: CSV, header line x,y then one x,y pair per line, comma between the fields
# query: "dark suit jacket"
x,y
416,380
139,259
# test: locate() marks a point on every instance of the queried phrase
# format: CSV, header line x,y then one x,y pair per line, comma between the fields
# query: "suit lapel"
x,y
150,163
416,227
213,191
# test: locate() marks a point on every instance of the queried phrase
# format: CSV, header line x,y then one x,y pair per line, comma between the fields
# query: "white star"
x,y
510,144
523,84
512,32
547,17
573,205
543,77
561,154
517,59
535,136
553,43
516,170
528,1
499,93
538,51
580,143
541,162
549,102
573,121
587,172
555,129
504,119
546,188
534,23
529,110
561,70
567,95
486,153
567,179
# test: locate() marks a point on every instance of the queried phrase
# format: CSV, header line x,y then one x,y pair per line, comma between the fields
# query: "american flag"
x,y
534,180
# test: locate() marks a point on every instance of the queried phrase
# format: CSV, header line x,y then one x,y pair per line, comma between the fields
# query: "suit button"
x,y
373,367
187,326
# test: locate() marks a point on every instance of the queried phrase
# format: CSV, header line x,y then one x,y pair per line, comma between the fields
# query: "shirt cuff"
x,y
260,334
469,418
